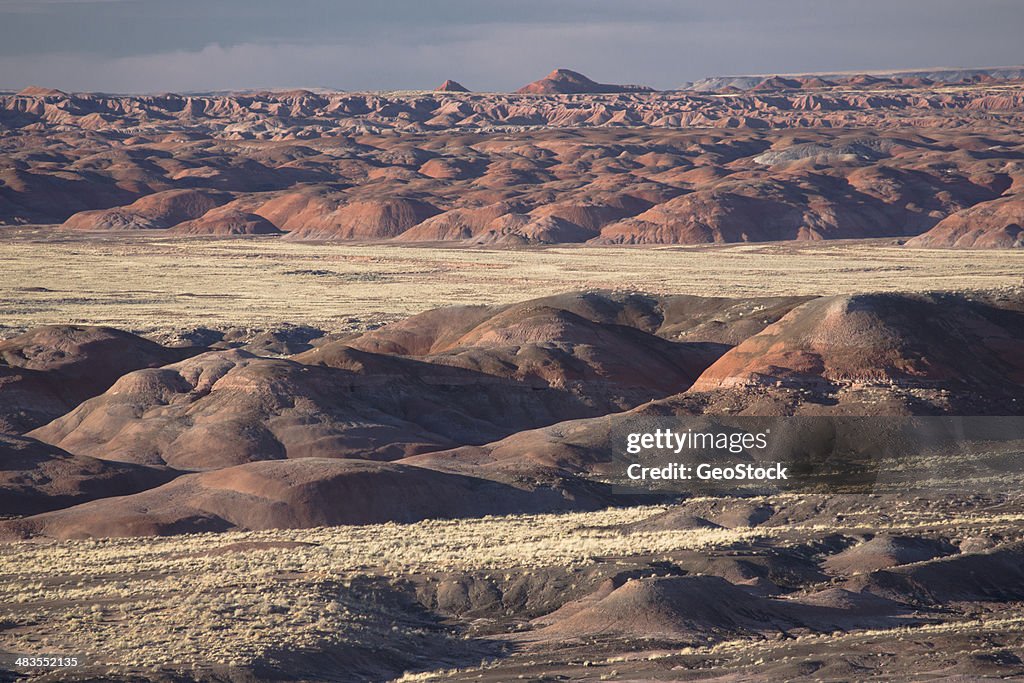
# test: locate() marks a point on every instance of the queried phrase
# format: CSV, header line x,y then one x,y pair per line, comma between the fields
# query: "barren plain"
x,y
156,285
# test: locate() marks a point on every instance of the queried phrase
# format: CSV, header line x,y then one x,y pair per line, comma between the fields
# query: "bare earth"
x,y
158,285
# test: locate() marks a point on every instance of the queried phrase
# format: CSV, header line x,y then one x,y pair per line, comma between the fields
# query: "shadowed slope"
x,y
225,408
47,371
555,347
36,477
292,494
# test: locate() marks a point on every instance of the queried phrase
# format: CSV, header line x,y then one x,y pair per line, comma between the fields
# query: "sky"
x,y
150,46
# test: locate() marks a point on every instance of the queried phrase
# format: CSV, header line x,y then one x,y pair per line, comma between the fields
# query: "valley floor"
x,y
150,284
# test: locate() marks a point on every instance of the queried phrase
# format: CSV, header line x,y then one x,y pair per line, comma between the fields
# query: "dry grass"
x,y
149,283
149,602
236,598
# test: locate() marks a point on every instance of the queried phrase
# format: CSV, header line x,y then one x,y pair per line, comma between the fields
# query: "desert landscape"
x,y
313,385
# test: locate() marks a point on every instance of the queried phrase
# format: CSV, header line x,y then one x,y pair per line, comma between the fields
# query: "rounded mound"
x,y
157,211
884,551
678,608
877,338
998,224
48,370
302,493
227,222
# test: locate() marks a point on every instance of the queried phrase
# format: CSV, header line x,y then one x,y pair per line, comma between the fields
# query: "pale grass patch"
x,y
154,284
149,601
185,600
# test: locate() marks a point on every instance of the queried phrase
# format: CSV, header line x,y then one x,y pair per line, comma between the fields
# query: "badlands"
x,y
327,386
564,161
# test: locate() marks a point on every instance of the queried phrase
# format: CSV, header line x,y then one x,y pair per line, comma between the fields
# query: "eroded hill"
x,y
518,401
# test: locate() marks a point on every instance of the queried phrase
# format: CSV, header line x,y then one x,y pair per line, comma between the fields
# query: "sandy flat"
x,y
154,284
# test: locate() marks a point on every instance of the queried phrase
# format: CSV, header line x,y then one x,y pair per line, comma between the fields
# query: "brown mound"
x,y
881,338
47,371
676,608
755,570
778,208
451,86
990,225
300,209
915,82
559,348
503,223
688,318
226,221
671,520
156,211
996,574
285,341
290,494
567,82
849,601
368,220
230,407
865,80
592,216
583,341
521,229
448,169
743,514
884,551
35,477
704,217
815,82
425,333
457,224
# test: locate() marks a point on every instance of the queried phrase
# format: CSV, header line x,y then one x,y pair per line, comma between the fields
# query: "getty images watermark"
x,y
670,440
748,455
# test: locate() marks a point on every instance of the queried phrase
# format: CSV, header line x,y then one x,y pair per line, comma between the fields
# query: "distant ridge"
x,y
567,81
938,74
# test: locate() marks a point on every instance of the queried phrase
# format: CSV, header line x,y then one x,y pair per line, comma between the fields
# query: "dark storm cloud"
x,y
146,45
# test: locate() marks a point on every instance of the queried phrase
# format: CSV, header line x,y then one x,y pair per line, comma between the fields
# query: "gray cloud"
x,y
151,46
